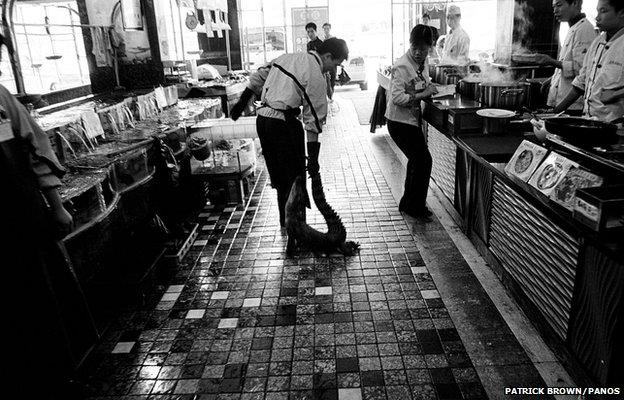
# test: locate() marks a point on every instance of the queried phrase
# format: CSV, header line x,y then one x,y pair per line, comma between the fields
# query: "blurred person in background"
x,y
457,42
426,20
327,31
571,55
331,75
315,41
409,84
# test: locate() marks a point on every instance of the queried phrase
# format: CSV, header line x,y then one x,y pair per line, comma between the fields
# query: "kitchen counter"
x,y
568,278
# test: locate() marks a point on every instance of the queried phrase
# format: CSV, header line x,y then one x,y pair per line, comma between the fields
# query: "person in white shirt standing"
x,y
571,55
601,79
286,84
457,41
409,84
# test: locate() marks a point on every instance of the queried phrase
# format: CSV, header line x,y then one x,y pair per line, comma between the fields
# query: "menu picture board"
x,y
548,175
576,178
525,160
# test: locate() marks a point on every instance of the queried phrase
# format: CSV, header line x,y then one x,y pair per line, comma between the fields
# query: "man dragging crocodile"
x,y
284,85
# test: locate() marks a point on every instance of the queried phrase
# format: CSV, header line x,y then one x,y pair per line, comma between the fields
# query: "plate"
x,y
495,113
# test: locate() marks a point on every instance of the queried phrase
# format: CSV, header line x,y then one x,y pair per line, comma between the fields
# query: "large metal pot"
x,y
442,71
495,121
506,95
469,88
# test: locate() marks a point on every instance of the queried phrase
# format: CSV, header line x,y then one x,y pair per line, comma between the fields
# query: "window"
x,y
52,57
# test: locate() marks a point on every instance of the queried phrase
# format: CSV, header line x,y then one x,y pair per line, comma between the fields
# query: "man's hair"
x,y
618,5
574,1
310,25
421,34
334,46
425,15
326,24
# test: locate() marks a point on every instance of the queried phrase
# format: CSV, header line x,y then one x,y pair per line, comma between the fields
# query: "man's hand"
x,y
430,91
544,59
313,154
239,107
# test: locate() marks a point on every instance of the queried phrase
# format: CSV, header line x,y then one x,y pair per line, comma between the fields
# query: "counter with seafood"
x,y
113,148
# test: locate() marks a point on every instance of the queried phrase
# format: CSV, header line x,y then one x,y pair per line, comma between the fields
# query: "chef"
x,y
457,42
601,79
570,61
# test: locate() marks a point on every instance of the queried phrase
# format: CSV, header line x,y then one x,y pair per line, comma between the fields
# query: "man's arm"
x,y
609,96
254,87
570,99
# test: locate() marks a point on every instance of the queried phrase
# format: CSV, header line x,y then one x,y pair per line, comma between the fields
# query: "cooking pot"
x,y
469,88
583,132
535,98
442,70
507,95
452,79
495,121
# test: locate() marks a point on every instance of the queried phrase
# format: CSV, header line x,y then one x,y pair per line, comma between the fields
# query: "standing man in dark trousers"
x,y
286,84
315,41
409,84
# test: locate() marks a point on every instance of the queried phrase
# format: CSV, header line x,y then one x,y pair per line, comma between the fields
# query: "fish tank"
x,y
226,157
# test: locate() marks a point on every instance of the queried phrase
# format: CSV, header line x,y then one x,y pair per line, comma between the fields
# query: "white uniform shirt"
x,y
456,45
603,68
405,81
575,46
280,92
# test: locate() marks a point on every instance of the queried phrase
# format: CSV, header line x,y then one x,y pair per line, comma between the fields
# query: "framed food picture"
x,y
548,175
576,178
525,160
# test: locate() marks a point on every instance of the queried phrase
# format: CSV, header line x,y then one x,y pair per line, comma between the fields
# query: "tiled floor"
x,y
241,321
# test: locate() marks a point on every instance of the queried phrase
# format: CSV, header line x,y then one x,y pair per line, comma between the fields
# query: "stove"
x,y
453,115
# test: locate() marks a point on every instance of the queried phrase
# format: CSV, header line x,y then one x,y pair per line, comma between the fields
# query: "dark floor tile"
x,y
347,365
324,381
448,391
431,348
262,343
441,375
472,391
234,371
325,394
192,371
372,378
231,385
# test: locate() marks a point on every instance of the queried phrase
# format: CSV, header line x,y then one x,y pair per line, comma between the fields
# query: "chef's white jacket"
x,y
456,46
603,68
279,92
572,53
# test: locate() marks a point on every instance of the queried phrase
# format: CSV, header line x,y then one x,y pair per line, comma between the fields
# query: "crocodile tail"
x,y
335,227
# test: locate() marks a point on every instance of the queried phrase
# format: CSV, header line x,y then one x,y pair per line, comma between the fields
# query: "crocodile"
x,y
302,235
